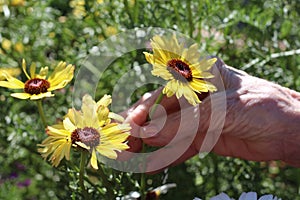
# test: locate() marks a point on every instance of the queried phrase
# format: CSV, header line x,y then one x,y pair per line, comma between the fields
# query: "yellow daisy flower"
x,y
11,71
37,86
181,67
90,129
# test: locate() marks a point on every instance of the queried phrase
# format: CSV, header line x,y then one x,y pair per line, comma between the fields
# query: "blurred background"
x,y
260,37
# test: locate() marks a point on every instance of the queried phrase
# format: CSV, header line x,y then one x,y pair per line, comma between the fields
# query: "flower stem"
x,y
107,183
143,175
81,174
157,101
190,18
41,112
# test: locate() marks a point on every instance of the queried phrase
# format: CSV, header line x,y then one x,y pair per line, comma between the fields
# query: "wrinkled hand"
x,y
248,118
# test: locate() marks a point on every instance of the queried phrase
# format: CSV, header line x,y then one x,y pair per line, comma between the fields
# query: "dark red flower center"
x,y
36,86
180,70
87,135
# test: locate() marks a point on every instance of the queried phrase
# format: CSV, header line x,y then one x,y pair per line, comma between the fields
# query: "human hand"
x,y
248,117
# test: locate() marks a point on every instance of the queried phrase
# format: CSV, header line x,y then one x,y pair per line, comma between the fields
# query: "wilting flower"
x,y
11,71
181,67
38,85
89,129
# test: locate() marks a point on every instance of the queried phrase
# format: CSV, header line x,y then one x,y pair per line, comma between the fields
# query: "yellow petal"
x,y
116,117
102,113
94,160
21,95
78,118
43,73
68,125
171,88
192,54
11,71
191,97
41,95
24,68
204,64
202,85
61,76
89,111
58,133
149,57
198,74
167,90
32,70
11,82
108,152
83,145
105,100
180,90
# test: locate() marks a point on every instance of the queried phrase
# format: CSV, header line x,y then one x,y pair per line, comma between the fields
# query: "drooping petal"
x,y
170,88
168,91
94,163
191,96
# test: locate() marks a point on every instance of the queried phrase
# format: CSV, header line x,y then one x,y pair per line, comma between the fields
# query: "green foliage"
x,y
260,37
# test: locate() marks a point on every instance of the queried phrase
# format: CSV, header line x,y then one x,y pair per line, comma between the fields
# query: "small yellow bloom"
x,y
181,67
17,2
12,71
78,8
89,129
19,47
38,86
110,30
6,44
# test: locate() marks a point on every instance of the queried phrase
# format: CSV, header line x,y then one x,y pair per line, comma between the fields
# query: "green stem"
x,y
129,12
190,18
41,112
107,183
143,175
81,174
158,100
136,11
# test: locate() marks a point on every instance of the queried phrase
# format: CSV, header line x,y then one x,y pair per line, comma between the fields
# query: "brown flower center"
x,y
87,135
36,86
180,70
